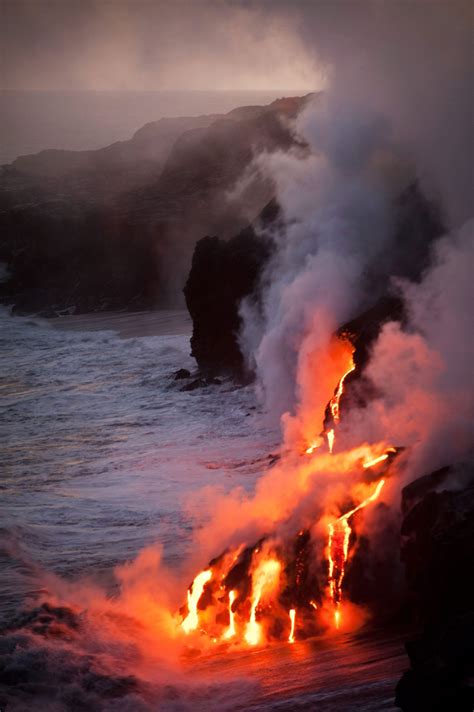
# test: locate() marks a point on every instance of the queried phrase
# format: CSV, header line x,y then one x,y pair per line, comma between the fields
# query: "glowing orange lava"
x,y
230,632
253,610
339,534
264,577
334,402
191,621
317,442
382,458
292,614
331,438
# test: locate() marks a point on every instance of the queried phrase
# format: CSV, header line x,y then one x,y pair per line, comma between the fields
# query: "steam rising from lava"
x,y
274,563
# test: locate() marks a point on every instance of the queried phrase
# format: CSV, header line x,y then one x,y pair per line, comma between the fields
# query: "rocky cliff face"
x,y
222,274
116,227
438,553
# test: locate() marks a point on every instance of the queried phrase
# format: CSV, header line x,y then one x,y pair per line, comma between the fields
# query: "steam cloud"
x,y
396,110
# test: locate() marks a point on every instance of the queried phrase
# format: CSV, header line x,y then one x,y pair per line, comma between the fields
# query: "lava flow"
x,y
255,593
265,576
338,547
191,621
334,406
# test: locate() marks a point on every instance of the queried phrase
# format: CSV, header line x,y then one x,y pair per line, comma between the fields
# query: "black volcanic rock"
x,y
438,553
222,274
181,374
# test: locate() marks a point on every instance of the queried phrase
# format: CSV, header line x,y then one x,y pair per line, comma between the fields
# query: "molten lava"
x,y
264,577
334,402
230,632
255,592
339,534
317,442
331,437
381,458
191,621
292,614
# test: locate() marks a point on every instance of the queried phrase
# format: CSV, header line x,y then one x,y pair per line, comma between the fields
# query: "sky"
x,y
154,45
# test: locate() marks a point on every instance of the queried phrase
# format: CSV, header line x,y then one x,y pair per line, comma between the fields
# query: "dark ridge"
x,y
222,274
115,228
438,554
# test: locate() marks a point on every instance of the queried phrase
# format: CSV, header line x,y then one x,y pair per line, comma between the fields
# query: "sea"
x,y
101,454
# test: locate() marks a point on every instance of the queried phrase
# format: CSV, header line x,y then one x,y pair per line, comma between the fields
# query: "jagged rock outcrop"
x,y
438,553
222,274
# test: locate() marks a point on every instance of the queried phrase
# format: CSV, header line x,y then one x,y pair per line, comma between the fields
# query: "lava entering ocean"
x,y
284,586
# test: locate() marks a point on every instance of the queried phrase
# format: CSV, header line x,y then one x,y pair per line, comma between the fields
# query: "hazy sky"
x,y
153,44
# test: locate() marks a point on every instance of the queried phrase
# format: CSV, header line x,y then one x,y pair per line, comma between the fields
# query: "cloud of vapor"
x,y
422,373
397,109
412,62
335,201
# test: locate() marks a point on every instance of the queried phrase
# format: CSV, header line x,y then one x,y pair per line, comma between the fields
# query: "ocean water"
x,y
101,453
31,121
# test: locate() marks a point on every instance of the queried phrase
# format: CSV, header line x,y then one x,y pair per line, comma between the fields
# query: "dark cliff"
x,y
222,274
438,554
116,227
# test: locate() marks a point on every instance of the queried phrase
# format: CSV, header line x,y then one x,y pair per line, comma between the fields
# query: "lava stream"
x,y
334,402
230,632
292,614
339,534
191,621
264,576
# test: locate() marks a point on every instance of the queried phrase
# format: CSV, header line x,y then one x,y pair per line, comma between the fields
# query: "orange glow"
x,y
334,402
328,474
339,534
191,621
371,463
331,438
317,442
372,498
230,632
264,577
292,614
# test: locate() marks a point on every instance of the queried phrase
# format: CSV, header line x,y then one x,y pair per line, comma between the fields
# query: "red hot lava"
x,y
273,590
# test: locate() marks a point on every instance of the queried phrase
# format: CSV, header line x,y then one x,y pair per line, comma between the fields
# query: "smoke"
x,y
336,208
422,372
396,110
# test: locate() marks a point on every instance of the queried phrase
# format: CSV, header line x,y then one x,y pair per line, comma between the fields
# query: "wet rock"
x,y
194,385
438,553
201,383
181,374
213,381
